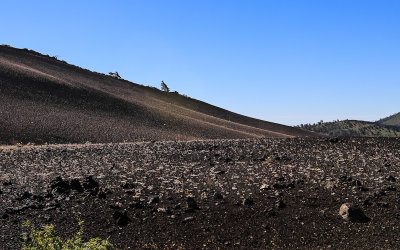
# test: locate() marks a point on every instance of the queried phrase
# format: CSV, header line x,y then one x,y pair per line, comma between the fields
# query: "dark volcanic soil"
x,y
272,193
44,100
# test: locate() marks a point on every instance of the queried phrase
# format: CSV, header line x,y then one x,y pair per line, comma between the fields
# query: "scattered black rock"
x,y
12,210
228,159
49,195
128,186
265,227
51,205
220,172
278,186
188,219
116,205
270,212
248,202
154,200
283,158
47,218
367,201
91,185
37,197
175,174
60,186
345,178
333,140
356,183
280,204
218,196
121,217
33,205
379,193
391,178
352,213
136,204
382,204
363,189
299,217
191,204
25,195
7,183
75,185
389,188
164,210
283,185
102,194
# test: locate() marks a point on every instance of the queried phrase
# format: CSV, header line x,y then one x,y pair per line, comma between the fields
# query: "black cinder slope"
x,y
43,99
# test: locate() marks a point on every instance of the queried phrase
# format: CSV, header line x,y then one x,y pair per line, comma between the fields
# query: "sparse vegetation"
x,y
393,120
164,87
352,128
115,74
47,239
107,109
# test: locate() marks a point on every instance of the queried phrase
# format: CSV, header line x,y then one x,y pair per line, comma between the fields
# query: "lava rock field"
x,y
258,193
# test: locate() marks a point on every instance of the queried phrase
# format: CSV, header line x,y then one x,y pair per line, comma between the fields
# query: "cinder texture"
x,y
206,194
43,100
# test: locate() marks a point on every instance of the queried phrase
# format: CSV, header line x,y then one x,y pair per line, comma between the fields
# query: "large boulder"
x,y
352,213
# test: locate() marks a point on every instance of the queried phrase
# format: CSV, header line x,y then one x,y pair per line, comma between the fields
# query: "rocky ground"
x,y
270,193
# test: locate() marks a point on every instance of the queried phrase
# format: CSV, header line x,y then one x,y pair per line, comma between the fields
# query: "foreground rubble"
x,y
208,194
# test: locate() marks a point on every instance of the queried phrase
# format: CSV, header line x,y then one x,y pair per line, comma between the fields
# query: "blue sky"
x,y
284,61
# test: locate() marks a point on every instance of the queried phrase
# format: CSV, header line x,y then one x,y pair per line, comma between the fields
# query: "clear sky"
x,y
284,61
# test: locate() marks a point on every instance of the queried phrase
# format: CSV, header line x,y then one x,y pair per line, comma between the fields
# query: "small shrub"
x,y
115,75
47,239
164,87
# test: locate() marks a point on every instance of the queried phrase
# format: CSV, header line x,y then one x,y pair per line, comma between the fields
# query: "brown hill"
x,y
43,99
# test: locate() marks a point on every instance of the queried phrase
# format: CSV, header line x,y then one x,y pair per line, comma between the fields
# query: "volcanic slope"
x,y
43,99
393,120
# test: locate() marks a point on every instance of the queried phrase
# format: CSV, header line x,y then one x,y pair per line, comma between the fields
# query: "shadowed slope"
x,y
46,100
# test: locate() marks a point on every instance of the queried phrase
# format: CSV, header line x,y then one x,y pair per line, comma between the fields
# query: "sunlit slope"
x,y
393,120
354,128
43,99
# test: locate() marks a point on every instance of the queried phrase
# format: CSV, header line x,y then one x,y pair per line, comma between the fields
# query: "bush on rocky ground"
x,y
47,239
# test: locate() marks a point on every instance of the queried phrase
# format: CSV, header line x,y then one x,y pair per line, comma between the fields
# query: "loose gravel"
x,y
264,193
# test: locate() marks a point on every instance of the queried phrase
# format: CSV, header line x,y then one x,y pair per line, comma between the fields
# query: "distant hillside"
x,y
393,120
43,99
353,128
